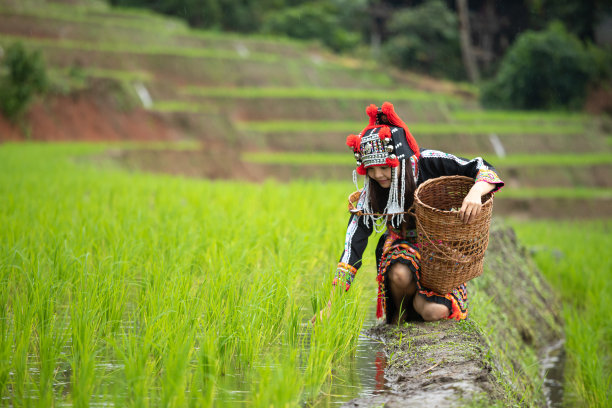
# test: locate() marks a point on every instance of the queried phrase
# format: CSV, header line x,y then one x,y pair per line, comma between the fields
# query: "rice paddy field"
x,y
140,290
575,258
127,288
145,290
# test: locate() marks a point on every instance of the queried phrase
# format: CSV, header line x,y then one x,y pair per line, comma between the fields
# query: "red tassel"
x,y
392,162
389,110
384,133
361,170
379,308
353,141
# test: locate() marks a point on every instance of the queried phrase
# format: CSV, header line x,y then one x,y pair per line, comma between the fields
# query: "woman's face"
x,y
382,175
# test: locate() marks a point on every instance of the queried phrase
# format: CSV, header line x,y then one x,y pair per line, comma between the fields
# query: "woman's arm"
x,y
472,203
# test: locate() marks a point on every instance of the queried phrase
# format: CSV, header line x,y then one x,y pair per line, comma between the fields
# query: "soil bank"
x,y
500,356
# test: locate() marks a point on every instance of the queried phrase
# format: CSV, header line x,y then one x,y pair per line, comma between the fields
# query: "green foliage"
x,y
542,70
313,20
579,17
22,76
231,15
426,39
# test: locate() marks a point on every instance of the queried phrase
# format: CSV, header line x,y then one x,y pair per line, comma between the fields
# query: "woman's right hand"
x,y
323,313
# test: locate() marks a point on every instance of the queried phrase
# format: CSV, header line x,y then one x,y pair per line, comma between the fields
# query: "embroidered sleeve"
x,y
489,176
355,243
434,163
345,274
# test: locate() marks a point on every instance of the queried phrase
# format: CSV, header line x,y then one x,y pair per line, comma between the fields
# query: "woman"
x,y
394,167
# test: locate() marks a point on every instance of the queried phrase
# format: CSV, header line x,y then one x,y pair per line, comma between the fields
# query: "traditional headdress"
x,y
384,143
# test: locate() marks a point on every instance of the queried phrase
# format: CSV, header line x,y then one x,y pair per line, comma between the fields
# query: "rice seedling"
x,y
521,116
573,256
316,93
116,47
320,158
151,290
418,128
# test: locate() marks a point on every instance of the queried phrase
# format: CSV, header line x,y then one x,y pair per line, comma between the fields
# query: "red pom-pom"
x,y
392,162
384,133
372,110
353,141
361,170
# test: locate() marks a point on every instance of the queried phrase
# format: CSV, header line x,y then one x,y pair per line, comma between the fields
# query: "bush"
x,y
312,21
542,70
23,76
426,39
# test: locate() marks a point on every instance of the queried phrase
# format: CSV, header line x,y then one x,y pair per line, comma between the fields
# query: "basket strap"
x,y
468,259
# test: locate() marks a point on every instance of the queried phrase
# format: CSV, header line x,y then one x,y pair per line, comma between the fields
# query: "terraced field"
x,y
283,108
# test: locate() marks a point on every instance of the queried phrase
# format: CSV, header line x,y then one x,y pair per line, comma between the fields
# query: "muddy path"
x,y
432,364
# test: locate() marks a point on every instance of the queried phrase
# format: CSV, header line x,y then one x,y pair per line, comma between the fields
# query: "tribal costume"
x,y
392,145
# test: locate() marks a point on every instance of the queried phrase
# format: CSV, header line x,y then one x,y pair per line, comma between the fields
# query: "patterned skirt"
x,y
393,248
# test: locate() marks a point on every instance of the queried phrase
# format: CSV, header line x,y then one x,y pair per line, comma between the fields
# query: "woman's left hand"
x,y
471,207
472,203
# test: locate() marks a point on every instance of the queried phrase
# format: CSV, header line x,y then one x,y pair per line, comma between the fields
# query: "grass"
x,y
520,116
514,160
316,93
149,290
424,128
558,192
574,256
139,49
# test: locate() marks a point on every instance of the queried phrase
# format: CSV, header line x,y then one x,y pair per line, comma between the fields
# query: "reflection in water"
x,y
362,375
381,364
553,365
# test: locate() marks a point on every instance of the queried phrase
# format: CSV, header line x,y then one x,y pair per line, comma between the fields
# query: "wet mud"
x,y
432,364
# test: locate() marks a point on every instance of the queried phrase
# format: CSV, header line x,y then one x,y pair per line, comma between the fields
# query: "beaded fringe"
x,y
395,203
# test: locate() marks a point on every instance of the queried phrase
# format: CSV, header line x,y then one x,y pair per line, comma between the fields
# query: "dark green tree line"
x,y
424,36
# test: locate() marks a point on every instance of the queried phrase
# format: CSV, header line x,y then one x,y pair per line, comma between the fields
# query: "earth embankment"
x,y
499,356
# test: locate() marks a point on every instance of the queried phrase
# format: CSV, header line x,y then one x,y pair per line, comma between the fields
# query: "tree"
x,y
542,70
23,77
426,39
466,42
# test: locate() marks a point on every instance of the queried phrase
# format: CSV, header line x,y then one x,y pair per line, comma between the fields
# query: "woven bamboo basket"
x,y
451,252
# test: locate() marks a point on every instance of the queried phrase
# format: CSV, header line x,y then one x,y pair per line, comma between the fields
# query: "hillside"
x,y
260,107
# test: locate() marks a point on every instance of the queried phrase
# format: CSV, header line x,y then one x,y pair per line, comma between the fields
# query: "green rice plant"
x,y
519,116
558,192
521,160
153,290
316,93
573,257
113,47
279,384
417,128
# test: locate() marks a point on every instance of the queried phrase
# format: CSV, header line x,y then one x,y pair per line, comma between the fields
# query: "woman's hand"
x,y
323,313
472,203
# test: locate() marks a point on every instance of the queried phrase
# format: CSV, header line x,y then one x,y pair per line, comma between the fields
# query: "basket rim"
x,y
418,201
